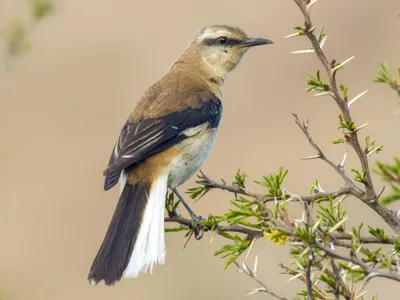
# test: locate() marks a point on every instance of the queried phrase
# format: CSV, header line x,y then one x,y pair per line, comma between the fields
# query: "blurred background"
x,y
64,102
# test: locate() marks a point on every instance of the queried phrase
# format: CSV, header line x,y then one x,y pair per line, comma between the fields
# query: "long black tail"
x,y
115,251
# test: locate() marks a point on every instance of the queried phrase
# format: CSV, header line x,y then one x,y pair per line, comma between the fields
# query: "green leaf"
x,y
321,35
233,251
396,246
370,146
41,8
316,83
171,204
177,229
240,179
346,123
390,173
359,177
273,182
15,35
196,192
344,90
331,214
338,141
378,233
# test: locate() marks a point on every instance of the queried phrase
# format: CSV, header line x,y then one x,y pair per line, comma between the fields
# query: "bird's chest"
x,y
193,153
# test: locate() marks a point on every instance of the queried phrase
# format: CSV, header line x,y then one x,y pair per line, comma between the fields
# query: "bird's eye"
x,y
222,40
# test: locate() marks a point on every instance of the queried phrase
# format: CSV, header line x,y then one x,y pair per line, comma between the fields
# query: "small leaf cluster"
x,y
385,76
370,146
332,217
316,84
329,276
378,233
273,183
233,250
390,173
16,32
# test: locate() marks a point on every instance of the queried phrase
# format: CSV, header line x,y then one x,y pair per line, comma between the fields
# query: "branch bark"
x,y
210,184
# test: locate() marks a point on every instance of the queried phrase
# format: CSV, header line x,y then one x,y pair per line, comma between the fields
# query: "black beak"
x,y
251,42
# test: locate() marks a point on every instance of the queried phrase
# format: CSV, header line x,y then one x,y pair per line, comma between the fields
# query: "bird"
x,y
164,142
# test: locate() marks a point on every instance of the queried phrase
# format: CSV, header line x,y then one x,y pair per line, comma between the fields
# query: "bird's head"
x,y
221,47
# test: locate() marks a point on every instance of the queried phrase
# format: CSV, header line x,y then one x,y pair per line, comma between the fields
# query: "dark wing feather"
x,y
146,137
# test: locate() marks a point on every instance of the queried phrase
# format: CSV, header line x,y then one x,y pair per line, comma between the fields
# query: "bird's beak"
x,y
251,42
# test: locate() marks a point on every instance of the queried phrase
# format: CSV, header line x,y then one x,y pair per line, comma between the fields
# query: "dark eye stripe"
x,y
216,42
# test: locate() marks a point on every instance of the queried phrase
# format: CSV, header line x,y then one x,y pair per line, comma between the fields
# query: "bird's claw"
x,y
197,229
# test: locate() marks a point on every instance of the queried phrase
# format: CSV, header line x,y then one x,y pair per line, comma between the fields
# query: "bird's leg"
x,y
198,232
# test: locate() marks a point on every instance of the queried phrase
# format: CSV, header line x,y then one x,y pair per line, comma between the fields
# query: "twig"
x,y
369,271
340,282
252,273
355,190
309,282
254,233
365,239
210,184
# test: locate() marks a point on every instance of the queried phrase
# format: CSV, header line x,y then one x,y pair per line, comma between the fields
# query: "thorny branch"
x,y
210,184
369,196
254,233
369,271
253,274
353,189
310,260
337,237
306,235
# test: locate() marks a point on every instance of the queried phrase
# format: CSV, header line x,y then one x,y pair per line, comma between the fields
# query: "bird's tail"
x,y
134,241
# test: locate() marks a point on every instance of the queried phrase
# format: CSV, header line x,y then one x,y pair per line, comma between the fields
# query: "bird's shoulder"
x,y
175,92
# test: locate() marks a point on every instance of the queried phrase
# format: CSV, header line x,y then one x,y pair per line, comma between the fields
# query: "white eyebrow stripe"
x,y
213,34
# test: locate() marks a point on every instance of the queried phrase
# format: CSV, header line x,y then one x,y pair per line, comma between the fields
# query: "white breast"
x,y
194,151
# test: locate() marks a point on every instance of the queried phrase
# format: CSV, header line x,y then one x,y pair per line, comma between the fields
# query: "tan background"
x,y
63,105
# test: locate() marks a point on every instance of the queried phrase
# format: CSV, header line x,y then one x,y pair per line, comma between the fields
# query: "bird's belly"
x,y
193,153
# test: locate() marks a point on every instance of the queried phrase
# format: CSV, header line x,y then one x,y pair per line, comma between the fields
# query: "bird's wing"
x,y
140,139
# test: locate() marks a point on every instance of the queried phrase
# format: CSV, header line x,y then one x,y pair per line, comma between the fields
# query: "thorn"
x,y
309,5
315,226
246,269
255,264
323,94
292,35
340,200
338,224
322,43
343,160
361,127
188,239
356,98
212,239
379,195
332,246
318,188
311,157
359,296
294,277
342,64
256,290
250,248
303,51
311,29
375,149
